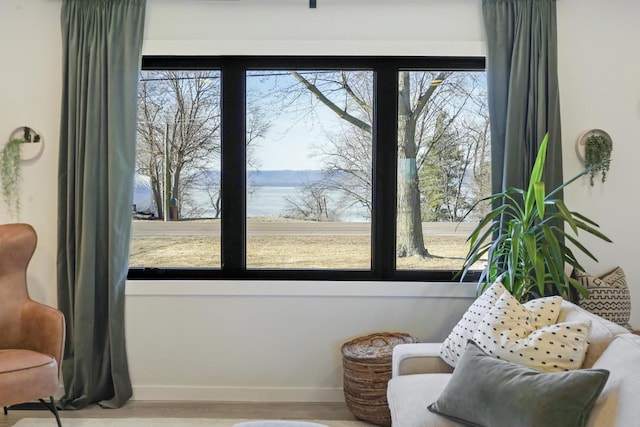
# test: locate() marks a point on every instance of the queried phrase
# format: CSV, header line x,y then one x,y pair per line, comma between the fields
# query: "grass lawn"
x,y
289,251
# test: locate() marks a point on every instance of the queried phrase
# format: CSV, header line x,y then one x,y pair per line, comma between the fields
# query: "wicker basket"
x,y
367,370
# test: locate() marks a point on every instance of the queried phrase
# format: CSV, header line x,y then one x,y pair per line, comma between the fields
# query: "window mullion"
x,y
384,183
233,168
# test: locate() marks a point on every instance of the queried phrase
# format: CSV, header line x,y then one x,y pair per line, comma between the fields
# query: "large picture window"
x,y
331,168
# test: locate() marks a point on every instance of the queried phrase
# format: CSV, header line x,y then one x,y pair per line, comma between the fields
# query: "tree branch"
x,y
424,98
332,106
366,107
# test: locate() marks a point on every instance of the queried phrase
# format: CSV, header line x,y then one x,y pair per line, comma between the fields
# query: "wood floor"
x,y
155,409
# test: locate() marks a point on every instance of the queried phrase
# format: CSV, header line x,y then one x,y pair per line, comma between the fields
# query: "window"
x,y
308,167
177,170
443,165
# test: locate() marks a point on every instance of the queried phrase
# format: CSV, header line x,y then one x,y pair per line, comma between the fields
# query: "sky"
x,y
289,145
292,140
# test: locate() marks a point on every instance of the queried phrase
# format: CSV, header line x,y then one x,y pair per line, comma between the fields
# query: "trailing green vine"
x,y
597,156
11,176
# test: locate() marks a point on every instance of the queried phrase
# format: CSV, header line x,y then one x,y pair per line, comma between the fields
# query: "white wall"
x,y
600,88
30,82
336,27
280,340
277,341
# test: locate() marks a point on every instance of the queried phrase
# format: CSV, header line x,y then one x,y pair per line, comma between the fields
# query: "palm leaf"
x,y
577,244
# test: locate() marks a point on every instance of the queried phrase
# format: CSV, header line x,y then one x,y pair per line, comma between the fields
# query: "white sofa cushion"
x,y
618,405
409,395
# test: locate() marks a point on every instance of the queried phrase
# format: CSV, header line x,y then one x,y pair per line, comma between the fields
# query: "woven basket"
x,y
367,370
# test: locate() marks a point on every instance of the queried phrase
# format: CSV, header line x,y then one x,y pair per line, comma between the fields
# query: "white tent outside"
x,y
143,195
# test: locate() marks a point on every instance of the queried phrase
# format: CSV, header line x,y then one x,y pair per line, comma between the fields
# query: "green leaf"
x,y
539,191
583,226
566,215
536,173
553,267
570,259
576,284
539,274
538,166
577,244
566,183
529,241
470,261
585,219
552,242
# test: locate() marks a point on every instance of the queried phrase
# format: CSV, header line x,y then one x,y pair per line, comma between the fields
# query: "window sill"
x,y
300,288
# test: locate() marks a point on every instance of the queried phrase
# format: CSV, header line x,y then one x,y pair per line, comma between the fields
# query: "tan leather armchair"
x,y
31,334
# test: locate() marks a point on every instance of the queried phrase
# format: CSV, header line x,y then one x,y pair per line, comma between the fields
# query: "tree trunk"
x,y
175,192
409,237
156,189
410,240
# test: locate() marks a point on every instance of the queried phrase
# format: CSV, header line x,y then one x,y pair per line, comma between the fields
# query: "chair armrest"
x,y
43,329
420,358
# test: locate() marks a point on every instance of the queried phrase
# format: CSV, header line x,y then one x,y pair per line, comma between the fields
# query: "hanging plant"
x,y
597,155
11,175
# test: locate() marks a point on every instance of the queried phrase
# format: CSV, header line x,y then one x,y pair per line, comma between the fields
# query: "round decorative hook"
x,y
32,142
581,142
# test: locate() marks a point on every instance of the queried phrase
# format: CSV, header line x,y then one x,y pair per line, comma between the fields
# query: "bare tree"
x,y
178,127
415,105
310,202
424,97
347,160
208,181
178,137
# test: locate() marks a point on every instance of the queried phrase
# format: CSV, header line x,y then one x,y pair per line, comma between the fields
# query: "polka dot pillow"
x,y
510,331
452,348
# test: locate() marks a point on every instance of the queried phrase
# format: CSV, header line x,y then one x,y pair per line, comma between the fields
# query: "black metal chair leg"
x,y
52,407
6,410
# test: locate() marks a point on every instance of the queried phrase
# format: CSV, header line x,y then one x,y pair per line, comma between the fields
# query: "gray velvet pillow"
x,y
487,392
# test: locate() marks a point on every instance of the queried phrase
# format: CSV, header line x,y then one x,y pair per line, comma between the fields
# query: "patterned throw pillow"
x,y
608,295
528,335
452,348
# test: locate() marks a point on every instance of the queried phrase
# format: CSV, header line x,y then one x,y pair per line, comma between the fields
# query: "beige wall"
x,y
280,340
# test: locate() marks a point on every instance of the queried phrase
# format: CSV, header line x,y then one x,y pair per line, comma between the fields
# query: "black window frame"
x,y
233,165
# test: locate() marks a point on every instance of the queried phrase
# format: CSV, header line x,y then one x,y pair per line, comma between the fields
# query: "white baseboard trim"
x,y
238,394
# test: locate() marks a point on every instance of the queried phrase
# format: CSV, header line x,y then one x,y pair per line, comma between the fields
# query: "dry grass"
x,y
289,251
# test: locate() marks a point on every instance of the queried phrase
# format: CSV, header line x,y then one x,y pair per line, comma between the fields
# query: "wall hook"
x,y
32,142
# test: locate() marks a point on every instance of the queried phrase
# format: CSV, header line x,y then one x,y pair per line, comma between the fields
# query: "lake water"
x,y
272,202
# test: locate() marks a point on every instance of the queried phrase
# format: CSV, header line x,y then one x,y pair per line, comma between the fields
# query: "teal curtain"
x,y
522,81
102,43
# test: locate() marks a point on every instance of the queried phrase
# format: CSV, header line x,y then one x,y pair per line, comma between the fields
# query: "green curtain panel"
x,y
102,43
522,81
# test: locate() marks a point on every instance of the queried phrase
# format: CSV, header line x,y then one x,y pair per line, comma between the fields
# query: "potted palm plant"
x,y
524,239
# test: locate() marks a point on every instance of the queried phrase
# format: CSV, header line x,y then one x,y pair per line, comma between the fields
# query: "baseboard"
x,y
238,394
